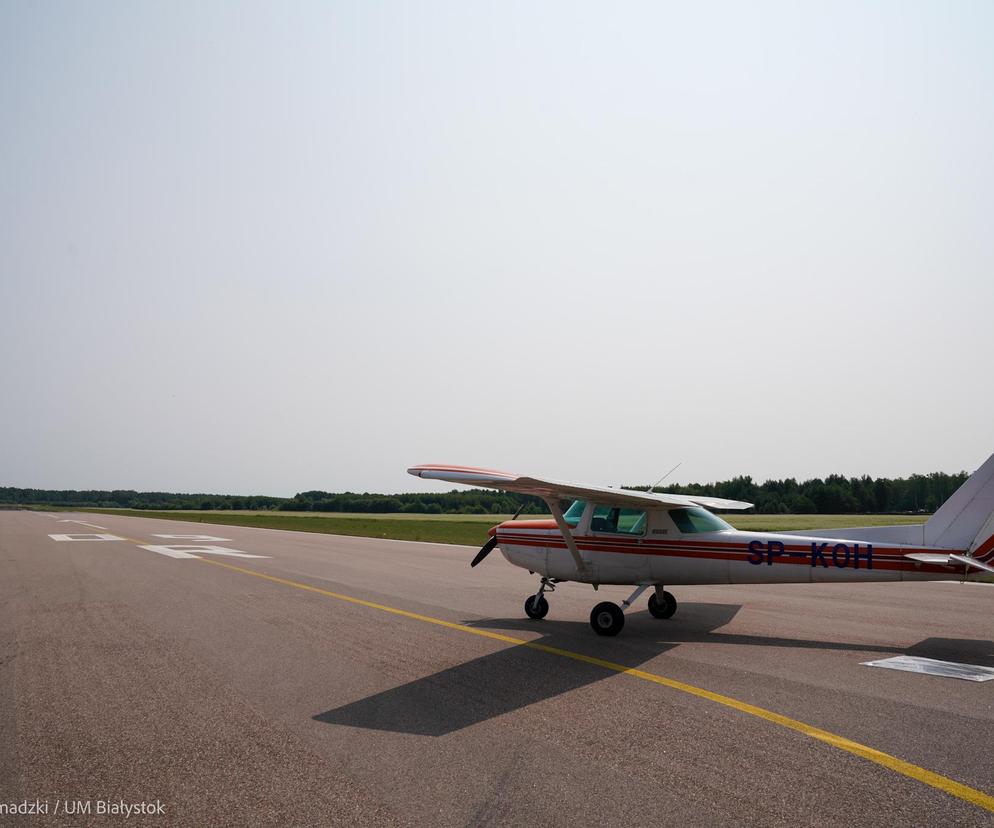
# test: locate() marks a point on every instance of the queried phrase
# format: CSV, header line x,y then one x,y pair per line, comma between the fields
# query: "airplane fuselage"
x,y
724,557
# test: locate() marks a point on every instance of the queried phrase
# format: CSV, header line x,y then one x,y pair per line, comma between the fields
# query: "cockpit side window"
x,y
618,521
695,519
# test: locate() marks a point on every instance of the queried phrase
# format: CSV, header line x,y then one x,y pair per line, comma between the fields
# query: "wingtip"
x,y
436,469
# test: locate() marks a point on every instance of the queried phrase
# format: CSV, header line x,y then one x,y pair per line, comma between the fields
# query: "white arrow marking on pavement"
x,y
194,538
85,537
182,550
169,551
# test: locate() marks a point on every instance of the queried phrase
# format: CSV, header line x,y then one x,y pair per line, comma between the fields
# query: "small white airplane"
x,y
643,539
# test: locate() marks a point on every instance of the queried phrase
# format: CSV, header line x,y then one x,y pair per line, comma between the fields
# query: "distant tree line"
x,y
130,499
466,502
834,495
471,501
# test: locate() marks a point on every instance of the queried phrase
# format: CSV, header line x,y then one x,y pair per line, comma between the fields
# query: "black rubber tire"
x,y
664,610
607,618
537,612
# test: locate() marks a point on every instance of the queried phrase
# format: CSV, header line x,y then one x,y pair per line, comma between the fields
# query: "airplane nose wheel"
x,y
536,606
607,618
662,608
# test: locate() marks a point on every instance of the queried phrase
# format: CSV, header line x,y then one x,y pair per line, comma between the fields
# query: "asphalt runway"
x,y
341,680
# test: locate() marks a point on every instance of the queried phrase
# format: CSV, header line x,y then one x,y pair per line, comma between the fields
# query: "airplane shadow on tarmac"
x,y
518,676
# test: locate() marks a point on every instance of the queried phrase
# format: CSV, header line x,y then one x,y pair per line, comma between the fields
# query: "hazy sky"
x,y
271,247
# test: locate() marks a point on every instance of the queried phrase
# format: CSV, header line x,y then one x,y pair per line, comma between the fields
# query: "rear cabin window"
x,y
695,519
619,521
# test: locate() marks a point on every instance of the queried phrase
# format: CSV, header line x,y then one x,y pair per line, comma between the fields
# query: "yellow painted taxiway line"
x,y
934,780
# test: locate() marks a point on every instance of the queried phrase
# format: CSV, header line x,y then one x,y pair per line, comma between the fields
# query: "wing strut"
x,y
557,513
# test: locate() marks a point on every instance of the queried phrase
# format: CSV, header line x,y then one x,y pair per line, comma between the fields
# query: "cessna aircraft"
x,y
620,536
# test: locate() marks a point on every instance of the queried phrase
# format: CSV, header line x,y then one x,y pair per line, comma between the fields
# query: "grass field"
x,y
195,513
467,529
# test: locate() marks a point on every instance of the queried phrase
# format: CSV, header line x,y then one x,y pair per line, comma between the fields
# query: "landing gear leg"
x,y
536,606
609,619
662,604
631,599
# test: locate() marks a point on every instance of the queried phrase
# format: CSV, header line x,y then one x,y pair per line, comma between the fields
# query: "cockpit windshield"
x,y
695,519
575,512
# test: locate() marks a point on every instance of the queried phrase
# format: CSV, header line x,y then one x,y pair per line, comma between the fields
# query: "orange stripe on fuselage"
x,y
547,523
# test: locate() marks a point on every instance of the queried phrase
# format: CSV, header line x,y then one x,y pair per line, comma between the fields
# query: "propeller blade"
x,y
487,548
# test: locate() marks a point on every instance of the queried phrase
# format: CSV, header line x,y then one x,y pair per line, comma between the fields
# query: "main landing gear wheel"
x,y
536,609
607,618
664,608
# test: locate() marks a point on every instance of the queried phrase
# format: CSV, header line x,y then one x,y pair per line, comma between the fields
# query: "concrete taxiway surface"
x,y
133,674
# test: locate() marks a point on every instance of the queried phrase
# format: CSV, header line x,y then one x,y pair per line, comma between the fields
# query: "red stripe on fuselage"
x,y
884,558
638,545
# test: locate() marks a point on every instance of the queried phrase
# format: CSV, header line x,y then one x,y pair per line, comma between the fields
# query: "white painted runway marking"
x,y
184,550
934,667
169,551
85,537
83,523
198,538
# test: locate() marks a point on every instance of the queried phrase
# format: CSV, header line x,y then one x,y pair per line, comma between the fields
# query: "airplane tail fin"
x,y
966,520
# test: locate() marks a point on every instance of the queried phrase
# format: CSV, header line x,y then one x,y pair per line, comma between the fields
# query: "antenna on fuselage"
x,y
661,479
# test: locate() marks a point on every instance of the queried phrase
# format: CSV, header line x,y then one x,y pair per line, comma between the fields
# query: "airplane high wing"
x,y
555,489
